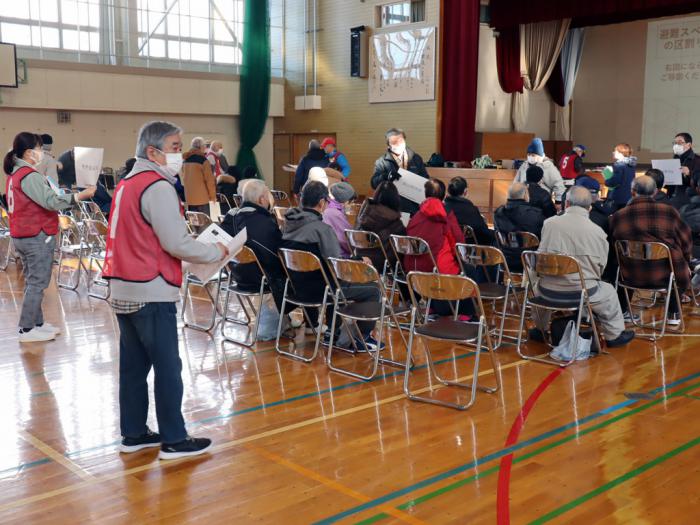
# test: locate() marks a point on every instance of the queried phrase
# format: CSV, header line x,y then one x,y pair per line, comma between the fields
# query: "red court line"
x,y
503,493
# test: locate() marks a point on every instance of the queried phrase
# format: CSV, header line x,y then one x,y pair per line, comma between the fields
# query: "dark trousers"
x,y
148,338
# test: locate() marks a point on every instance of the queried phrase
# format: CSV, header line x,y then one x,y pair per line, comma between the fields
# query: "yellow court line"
x,y
55,455
339,487
225,446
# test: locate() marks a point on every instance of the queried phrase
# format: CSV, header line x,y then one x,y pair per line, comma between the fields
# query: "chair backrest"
x,y
95,233
67,224
630,253
198,221
223,199
237,200
352,210
414,246
482,256
301,261
523,240
352,271
442,287
544,264
280,197
469,235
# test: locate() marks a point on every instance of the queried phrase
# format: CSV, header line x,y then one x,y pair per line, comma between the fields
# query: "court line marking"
x,y
503,490
484,473
495,455
25,466
615,482
55,455
330,483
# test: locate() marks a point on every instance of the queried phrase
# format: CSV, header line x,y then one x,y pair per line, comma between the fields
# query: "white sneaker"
x,y
36,336
294,322
674,320
48,328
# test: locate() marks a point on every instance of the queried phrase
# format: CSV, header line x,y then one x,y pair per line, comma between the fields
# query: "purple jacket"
x,y
335,217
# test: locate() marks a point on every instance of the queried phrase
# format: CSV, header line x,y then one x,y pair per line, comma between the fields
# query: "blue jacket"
x,y
621,181
339,159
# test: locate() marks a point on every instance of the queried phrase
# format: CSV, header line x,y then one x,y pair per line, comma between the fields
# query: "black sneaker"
x,y
188,447
148,440
625,337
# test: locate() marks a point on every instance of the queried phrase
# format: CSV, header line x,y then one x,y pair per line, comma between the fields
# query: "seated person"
x,y
381,214
573,233
516,215
659,179
647,220
466,213
304,229
334,215
690,213
539,197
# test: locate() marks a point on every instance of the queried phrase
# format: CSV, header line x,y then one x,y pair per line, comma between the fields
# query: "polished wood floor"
x,y
297,444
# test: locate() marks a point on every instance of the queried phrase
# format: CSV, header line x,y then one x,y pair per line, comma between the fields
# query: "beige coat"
x,y
198,179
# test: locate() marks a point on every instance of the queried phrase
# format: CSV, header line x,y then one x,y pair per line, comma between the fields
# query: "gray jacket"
x,y
551,181
307,226
36,187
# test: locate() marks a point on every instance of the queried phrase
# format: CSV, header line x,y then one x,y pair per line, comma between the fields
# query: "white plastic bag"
x,y
564,350
269,317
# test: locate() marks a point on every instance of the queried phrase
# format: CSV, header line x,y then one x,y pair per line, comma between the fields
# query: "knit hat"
x,y
534,174
589,183
318,174
327,141
342,192
536,147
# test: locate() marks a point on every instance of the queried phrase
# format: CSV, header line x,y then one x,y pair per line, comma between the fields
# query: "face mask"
x,y
173,162
618,156
37,156
532,159
678,149
399,149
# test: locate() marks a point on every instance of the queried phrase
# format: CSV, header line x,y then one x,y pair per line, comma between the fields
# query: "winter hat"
x,y
589,183
318,174
342,192
327,141
536,147
534,174
581,148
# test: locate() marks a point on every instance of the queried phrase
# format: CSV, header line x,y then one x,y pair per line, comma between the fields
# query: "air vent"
x,y
63,117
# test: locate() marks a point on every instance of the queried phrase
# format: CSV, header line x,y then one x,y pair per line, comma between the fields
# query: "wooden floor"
x,y
297,444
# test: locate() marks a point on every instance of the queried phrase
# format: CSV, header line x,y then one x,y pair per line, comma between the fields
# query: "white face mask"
x,y
37,156
678,149
399,149
533,159
173,162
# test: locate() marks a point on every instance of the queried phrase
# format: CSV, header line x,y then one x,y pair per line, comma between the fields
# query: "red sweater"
x,y
441,231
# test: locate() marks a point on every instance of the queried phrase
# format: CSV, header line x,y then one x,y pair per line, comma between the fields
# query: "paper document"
x,y
411,186
672,171
214,210
88,165
214,234
405,217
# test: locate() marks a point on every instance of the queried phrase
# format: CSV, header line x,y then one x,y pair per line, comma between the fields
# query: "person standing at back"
x,y
48,166
571,164
146,241
619,179
33,208
197,178
338,161
315,158
214,157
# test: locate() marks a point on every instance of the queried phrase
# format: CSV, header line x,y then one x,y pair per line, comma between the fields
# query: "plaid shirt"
x,y
645,220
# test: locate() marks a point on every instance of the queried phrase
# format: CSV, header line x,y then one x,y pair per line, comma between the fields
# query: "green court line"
x,y
492,470
615,482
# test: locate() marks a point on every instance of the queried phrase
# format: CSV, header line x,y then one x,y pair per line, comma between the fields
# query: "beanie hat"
x,y
589,183
318,174
342,192
536,147
534,174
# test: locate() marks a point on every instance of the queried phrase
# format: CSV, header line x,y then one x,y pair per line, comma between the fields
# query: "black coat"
x,y
469,215
542,199
386,168
384,222
517,216
314,158
690,214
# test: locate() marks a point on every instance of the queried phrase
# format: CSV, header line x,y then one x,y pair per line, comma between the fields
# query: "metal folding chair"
x,y
469,235
352,210
96,240
520,241
346,271
448,288
245,256
72,245
237,200
541,264
631,253
490,259
223,200
300,261
197,221
91,211
280,197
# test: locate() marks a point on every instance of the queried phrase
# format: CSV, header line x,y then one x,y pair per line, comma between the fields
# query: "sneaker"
x,y
49,328
630,317
369,342
188,447
294,323
673,320
625,337
148,440
36,336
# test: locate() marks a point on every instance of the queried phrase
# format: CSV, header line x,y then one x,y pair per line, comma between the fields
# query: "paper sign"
x,y
88,165
214,234
214,211
672,171
411,186
405,217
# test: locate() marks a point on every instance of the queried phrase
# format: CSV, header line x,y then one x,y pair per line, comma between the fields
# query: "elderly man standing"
x,y
197,177
574,234
146,242
647,220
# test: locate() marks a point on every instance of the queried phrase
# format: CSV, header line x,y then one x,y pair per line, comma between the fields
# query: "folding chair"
x,y
72,245
361,274
541,264
223,201
197,221
279,212
352,210
469,235
91,211
237,200
300,261
489,258
96,239
448,288
520,241
631,253
280,197
6,240
245,256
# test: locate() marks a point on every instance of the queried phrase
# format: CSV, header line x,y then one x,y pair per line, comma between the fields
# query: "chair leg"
x,y
213,299
319,332
74,279
250,340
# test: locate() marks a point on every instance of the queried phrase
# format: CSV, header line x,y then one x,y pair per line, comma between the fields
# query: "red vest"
x,y
133,251
566,166
27,218
217,163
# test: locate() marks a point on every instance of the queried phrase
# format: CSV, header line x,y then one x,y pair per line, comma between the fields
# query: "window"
x,y
402,13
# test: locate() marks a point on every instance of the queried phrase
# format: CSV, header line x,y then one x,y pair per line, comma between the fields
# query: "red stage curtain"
x,y
460,64
508,60
511,13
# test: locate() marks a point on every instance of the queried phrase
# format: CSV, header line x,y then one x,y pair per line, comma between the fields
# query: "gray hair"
x,y
198,143
394,132
517,191
153,134
579,196
314,144
644,186
252,190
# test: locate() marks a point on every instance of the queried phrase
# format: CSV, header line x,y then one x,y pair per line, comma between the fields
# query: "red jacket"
x,y
441,231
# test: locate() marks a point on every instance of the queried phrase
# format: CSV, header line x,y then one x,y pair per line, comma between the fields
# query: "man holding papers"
x,y
146,242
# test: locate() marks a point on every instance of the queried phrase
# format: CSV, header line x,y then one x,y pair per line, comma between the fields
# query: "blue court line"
x,y
495,455
25,466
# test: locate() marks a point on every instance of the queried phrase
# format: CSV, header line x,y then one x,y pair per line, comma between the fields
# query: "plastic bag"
x,y
564,350
269,318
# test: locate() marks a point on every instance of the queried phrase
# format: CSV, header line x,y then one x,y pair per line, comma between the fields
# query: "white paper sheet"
x,y
214,210
88,165
411,186
405,217
214,234
672,171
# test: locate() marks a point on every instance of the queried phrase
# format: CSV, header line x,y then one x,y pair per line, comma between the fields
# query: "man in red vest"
x,y
571,164
146,242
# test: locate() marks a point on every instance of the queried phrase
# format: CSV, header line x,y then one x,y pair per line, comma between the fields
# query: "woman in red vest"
x,y
33,210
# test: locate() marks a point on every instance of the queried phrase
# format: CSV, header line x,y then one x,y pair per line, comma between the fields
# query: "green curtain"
x,y
255,80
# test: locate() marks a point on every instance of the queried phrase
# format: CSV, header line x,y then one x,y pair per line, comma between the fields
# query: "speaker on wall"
x,y
358,52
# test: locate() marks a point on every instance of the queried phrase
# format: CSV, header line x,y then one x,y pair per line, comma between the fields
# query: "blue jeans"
x,y
148,338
